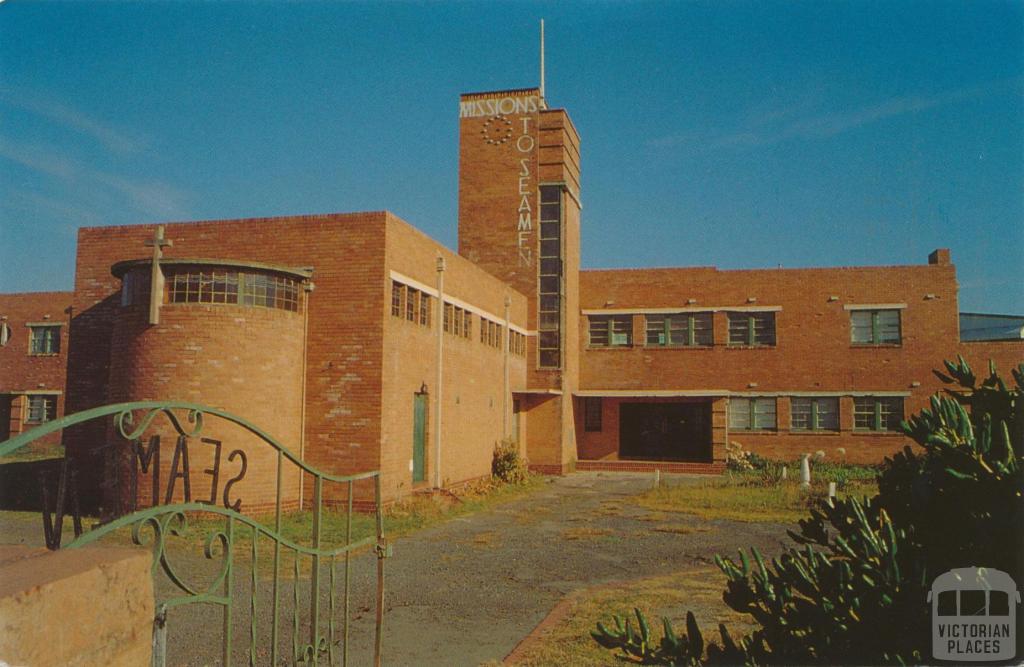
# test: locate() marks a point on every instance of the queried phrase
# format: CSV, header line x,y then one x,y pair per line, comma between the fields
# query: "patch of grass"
x,y
568,641
748,497
584,533
487,538
412,514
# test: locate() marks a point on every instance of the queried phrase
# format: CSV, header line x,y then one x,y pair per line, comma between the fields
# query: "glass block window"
x,y
814,414
44,339
875,327
680,329
877,413
549,292
41,408
592,413
752,328
752,414
611,330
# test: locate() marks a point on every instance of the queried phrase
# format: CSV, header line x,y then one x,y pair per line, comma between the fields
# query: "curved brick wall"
x,y
244,360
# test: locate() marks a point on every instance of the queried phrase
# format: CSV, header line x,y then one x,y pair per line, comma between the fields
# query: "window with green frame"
x,y
752,414
875,327
814,414
877,413
754,329
680,329
611,330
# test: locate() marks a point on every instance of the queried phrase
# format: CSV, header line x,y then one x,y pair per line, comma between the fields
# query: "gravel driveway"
x,y
467,591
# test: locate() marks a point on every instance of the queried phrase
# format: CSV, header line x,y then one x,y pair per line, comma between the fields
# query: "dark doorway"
x,y
419,437
665,431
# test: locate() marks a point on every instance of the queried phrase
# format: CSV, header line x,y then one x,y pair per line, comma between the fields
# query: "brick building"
x,y
363,344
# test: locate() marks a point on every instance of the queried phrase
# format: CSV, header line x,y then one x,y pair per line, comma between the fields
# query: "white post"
x,y
657,478
805,471
785,473
831,490
506,390
440,372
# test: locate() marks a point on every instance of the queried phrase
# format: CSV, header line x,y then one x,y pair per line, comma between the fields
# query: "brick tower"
x,y
519,218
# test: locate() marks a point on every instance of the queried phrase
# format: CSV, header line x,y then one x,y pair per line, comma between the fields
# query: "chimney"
x,y
940,257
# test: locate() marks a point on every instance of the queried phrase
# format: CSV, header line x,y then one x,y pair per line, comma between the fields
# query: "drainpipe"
x,y
307,289
506,393
438,391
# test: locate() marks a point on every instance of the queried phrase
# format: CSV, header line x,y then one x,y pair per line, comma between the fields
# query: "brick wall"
x,y
343,363
473,393
22,372
813,352
244,360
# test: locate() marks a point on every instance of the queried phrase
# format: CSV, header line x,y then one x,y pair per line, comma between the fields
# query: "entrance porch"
x,y
640,431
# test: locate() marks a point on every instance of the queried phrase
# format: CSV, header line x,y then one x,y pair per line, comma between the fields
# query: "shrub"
x,y
507,464
855,592
735,458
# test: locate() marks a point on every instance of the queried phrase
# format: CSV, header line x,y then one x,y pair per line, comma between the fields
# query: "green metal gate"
x,y
232,538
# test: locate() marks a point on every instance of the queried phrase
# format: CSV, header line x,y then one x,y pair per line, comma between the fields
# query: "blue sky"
x,y
733,134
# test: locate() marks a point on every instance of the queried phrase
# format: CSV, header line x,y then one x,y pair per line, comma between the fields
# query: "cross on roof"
x,y
156,281
158,243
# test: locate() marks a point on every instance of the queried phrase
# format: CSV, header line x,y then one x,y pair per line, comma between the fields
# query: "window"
x,y
44,339
752,414
467,324
877,413
752,329
247,289
814,414
397,292
425,309
689,329
550,297
411,303
875,327
448,310
41,408
591,414
517,343
611,330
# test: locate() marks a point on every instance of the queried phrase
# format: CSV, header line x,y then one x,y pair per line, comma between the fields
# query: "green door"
x,y
419,435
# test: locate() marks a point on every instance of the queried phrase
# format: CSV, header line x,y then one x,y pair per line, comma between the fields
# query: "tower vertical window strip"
x,y
550,296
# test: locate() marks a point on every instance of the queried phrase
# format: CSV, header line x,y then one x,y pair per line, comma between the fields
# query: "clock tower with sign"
x,y
519,218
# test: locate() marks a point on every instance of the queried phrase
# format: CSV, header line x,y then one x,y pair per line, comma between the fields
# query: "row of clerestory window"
x,y
413,305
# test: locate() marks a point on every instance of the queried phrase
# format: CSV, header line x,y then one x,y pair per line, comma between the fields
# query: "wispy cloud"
x,y
111,138
774,126
151,198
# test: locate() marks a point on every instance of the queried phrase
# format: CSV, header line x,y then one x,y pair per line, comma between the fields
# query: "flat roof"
x,y
120,268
